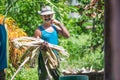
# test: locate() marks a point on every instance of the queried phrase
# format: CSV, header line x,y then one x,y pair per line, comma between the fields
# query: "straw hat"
x,y
46,10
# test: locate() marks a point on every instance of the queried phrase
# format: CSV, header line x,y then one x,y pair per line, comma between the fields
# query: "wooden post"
x,y
112,40
108,53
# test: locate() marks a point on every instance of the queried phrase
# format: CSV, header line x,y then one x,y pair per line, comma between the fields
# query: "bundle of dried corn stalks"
x,y
33,47
35,42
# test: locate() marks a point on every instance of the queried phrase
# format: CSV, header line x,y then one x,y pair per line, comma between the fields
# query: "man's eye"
x,y
46,15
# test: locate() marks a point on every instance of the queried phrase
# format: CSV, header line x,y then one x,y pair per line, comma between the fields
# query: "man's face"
x,y
47,18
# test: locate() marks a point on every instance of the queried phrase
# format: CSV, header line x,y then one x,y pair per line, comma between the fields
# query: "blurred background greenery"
x,y
84,20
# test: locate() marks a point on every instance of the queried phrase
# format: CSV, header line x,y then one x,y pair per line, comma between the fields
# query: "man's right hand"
x,y
44,46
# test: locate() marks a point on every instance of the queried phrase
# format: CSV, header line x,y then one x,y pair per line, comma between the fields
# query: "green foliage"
x,y
24,74
85,51
27,74
10,71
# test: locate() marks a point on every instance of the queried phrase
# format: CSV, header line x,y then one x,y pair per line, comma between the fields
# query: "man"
x,y
48,31
3,51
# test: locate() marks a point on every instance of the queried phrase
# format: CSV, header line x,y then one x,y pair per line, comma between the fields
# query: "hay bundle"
x,y
33,46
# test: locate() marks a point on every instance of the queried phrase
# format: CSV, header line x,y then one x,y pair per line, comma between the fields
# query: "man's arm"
x,y
37,33
61,28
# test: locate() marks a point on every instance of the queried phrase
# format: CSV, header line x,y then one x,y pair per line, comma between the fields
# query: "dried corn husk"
x,y
33,46
35,42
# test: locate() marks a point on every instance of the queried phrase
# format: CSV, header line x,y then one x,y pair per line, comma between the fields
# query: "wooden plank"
x,y
112,40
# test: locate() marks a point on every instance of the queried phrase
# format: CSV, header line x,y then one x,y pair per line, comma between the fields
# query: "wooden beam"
x,y
112,40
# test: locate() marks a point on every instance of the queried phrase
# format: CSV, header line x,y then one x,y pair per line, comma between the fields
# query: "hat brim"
x,y
46,13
